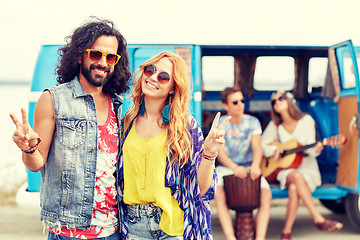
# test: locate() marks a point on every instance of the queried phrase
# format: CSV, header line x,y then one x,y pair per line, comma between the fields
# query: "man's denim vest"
x,y
68,177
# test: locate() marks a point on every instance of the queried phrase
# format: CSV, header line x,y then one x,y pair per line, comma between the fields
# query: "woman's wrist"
x,y
210,157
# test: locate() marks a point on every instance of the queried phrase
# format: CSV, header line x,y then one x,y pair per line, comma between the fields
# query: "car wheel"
x,y
352,205
337,206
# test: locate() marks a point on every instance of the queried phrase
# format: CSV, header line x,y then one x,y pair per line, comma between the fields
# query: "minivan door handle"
x,y
354,123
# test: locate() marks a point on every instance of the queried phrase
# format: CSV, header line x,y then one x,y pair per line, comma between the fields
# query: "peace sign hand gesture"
x,y
215,138
24,136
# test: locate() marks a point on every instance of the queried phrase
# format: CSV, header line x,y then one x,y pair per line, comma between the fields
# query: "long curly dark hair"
x,y
82,38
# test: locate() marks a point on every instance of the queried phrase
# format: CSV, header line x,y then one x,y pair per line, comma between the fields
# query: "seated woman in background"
x,y
288,122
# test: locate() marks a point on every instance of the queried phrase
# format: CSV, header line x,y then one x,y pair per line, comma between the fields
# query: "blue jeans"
x,y
53,236
144,223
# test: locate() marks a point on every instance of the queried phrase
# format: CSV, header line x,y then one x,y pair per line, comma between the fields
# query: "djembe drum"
x,y
243,196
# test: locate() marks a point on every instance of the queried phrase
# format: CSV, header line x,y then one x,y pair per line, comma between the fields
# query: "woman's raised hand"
x,y
215,138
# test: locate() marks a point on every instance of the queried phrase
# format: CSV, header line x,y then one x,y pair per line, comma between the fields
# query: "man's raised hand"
x,y
24,136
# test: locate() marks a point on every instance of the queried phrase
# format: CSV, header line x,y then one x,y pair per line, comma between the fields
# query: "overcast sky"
x,y
26,25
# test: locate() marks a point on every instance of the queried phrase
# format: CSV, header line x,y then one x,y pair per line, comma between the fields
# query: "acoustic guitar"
x,y
292,155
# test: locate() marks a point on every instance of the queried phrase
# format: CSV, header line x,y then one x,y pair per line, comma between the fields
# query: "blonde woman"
x,y
288,122
166,172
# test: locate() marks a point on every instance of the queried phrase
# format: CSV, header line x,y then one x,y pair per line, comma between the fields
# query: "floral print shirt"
x,y
238,139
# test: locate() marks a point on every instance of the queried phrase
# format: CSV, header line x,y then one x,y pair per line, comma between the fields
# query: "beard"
x,y
95,79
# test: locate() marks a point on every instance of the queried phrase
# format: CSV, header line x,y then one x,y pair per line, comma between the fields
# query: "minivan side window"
x,y
349,75
217,72
274,73
317,72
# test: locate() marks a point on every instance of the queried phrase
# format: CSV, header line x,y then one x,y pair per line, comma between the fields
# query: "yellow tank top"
x,y
144,179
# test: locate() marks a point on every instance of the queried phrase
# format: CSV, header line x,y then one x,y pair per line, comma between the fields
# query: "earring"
x,y
142,105
166,112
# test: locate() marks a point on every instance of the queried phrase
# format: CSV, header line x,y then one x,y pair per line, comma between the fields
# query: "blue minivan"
x,y
324,80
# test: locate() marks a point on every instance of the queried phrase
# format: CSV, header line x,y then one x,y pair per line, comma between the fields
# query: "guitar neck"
x,y
298,149
333,141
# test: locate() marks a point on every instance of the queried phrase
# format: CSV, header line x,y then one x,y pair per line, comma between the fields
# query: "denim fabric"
x,y
53,236
144,223
68,177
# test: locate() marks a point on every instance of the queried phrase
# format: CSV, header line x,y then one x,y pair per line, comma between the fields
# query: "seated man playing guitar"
x,y
288,122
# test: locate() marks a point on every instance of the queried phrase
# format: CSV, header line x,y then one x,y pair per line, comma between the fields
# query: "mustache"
x,y
93,66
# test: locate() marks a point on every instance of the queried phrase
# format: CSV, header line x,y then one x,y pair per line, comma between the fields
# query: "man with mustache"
x,y
75,138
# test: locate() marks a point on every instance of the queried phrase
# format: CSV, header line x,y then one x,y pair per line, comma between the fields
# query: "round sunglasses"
x,y
162,77
236,101
281,98
95,56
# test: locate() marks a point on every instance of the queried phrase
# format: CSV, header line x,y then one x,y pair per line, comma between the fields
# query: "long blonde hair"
x,y
178,142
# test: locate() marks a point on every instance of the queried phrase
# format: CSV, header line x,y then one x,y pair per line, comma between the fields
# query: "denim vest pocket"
x,y
72,132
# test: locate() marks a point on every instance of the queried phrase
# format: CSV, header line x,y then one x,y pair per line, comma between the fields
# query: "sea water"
x,y
12,170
